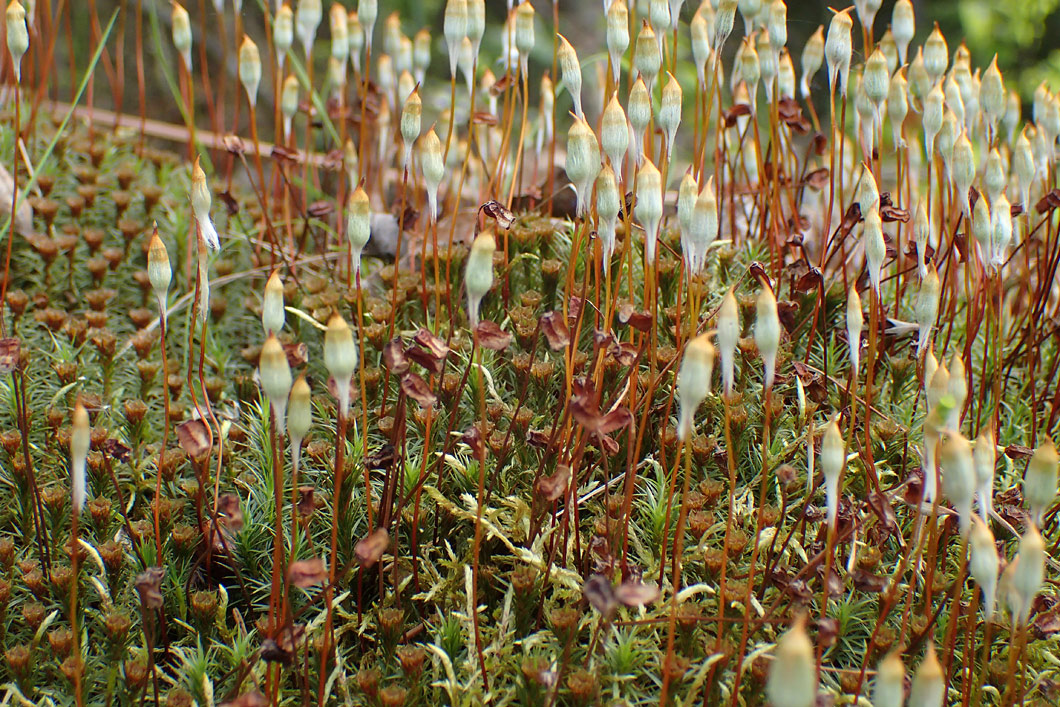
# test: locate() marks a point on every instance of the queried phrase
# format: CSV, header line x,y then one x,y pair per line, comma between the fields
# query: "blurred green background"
x,y
1025,35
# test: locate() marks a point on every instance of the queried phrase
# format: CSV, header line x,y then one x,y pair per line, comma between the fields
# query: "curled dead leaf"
x,y
297,354
737,111
234,144
553,487
436,346
10,354
394,357
416,354
417,389
371,547
1048,202
634,592
114,449
641,321
195,438
818,179
248,699
307,573
499,213
555,330
306,501
473,438
492,337
598,591
149,585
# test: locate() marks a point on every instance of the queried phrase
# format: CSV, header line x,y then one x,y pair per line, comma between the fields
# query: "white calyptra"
x,y
307,18
936,55
994,177
724,19
767,334
855,323
283,32
639,111
792,676
614,133
275,375
433,167
181,30
411,123
700,30
833,461
929,683
926,308
200,206
811,60
1039,482
608,206
648,207
583,161
985,457
250,69
888,690
272,312
837,50
875,248
299,417
1029,574
922,235
693,382
958,476
898,105
159,271
984,564
454,28
617,35
957,390
80,441
687,193
478,278
1023,164
1001,228
571,71
903,26
670,111
932,119
704,226
358,226
340,359
728,336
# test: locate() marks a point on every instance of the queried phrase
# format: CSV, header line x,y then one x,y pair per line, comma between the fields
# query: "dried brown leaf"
x,y
553,487
555,330
492,337
10,354
307,573
416,354
297,354
499,213
436,346
818,179
248,699
633,592
394,357
641,321
195,438
149,585
371,547
417,389
598,591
